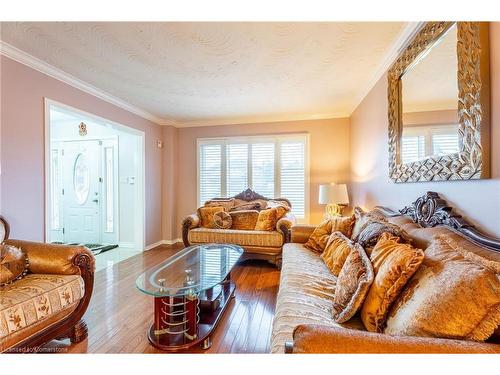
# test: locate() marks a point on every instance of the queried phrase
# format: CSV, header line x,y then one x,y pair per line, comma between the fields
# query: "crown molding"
x,y
260,119
403,39
35,63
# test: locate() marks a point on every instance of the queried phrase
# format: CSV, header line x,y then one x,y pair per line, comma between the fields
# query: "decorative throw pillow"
x,y
226,203
394,264
247,206
206,215
336,251
13,264
267,219
374,228
353,283
454,294
244,220
222,220
281,208
319,237
361,218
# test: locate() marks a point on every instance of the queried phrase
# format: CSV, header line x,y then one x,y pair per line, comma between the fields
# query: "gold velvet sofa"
x,y
266,245
303,321
48,302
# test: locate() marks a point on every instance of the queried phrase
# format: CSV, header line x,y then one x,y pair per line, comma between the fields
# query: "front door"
x,y
82,192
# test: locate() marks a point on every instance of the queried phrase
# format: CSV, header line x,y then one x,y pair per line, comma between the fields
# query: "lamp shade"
x,y
333,194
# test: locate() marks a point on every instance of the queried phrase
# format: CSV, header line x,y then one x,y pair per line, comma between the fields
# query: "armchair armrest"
x,y
56,259
313,338
189,222
284,225
301,233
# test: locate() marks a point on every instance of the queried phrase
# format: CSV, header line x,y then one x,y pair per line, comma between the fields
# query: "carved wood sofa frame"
x,y
249,195
72,326
431,210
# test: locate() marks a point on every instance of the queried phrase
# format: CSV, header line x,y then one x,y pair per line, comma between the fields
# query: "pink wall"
x,y
22,148
329,156
370,183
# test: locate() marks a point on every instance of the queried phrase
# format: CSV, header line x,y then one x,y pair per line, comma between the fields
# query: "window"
x,y
273,166
55,190
419,142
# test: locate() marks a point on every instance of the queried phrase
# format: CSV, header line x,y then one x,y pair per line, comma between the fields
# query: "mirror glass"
x,y
430,102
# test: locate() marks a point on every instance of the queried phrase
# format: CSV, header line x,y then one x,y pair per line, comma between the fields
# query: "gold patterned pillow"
x,y
226,203
13,264
222,220
267,219
353,283
336,251
319,237
394,264
206,215
454,294
244,220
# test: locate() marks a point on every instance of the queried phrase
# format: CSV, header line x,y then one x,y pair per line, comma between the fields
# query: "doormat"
x,y
96,248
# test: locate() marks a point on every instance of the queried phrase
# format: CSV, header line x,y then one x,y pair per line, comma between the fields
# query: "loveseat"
x,y
257,244
50,300
303,321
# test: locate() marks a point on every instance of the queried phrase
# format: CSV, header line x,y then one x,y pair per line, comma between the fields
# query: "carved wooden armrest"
x,y
284,225
189,222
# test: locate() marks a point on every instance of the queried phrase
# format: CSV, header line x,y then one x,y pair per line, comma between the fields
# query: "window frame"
x,y
277,139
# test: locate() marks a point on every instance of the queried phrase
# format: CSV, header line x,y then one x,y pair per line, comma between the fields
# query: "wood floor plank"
x,y
119,315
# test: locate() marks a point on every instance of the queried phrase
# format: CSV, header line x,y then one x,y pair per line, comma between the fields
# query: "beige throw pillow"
x,y
455,294
394,264
244,220
267,219
353,284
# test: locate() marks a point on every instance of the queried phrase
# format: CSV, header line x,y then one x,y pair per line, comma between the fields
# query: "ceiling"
x,y
190,74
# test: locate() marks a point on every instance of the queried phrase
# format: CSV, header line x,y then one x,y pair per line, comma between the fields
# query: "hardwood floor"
x,y
119,315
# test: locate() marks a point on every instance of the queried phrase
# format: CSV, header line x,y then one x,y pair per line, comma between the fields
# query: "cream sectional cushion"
x,y
237,237
305,295
36,298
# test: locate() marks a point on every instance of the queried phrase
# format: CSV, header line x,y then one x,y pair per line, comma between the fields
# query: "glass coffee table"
x,y
191,291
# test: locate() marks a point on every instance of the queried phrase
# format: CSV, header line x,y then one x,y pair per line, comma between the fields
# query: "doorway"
x,y
95,181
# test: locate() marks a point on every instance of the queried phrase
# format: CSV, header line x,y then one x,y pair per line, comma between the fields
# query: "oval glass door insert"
x,y
81,179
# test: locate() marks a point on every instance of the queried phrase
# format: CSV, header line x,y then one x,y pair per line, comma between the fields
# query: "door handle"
x,y
95,200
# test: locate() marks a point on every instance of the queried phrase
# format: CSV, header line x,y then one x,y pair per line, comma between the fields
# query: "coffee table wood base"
x,y
208,322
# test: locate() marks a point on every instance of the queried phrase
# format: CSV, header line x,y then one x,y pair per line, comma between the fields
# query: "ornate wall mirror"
x,y
439,105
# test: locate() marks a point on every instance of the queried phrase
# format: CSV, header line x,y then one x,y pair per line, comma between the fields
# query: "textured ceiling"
x,y
431,84
196,72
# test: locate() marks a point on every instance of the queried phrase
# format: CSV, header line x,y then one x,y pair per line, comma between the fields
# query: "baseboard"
x,y
162,242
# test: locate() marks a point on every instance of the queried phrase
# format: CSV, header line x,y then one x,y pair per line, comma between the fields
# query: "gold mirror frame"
x,y
472,161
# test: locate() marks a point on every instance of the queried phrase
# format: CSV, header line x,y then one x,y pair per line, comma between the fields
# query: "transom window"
x,y
273,166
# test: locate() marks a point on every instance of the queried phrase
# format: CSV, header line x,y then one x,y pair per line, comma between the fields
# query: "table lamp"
x,y
335,197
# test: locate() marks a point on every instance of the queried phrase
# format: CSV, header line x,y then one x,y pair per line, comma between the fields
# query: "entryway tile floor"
x,y
109,258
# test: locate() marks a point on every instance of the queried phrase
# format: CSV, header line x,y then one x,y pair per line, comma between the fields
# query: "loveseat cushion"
x,y
454,294
34,299
305,295
237,237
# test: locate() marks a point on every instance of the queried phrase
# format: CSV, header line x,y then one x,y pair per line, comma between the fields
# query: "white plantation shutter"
x,y
273,166
293,175
444,144
413,148
263,169
236,168
210,168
